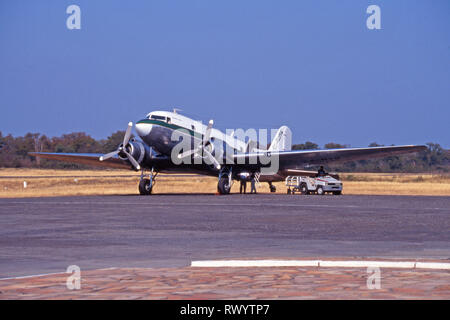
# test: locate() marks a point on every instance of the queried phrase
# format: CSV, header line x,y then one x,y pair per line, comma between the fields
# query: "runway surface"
x,y
42,235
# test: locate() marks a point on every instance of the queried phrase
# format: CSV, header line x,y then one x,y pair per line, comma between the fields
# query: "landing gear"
x,y
223,186
225,181
272,187
146,185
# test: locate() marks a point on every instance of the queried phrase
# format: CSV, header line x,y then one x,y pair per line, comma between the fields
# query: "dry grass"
x,y
41,183
19,172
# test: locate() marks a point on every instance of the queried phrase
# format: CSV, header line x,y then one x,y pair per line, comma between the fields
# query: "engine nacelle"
x,y
138,150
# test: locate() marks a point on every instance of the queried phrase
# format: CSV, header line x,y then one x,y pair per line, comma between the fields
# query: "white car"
x,y
314,185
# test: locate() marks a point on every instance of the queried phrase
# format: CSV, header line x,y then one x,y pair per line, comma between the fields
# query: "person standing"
x,y
243,187
253,184
321,172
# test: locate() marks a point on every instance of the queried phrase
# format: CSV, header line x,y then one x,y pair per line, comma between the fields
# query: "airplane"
x,y
208,151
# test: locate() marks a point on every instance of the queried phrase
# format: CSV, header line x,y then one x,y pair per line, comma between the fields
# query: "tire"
x,y
145,188
223,186
320,191
273,189
304,188
288,191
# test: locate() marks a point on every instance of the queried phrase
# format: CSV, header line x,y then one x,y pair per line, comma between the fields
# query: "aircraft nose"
x,y
143,129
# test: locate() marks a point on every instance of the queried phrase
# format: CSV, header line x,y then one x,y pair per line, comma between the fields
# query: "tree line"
x,y
433,159
14,150
14,153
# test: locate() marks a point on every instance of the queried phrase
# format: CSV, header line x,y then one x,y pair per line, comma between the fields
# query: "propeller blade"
x,y
127,135
186,154
208,132
132,160
108,155
212,159
122,147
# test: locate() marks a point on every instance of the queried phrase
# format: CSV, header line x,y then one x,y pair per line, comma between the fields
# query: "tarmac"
x,y
46,235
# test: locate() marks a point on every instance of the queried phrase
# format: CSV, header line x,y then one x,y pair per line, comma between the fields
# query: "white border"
x,y
320,263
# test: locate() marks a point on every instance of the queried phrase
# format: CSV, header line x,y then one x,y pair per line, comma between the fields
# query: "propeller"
x,y
122,150
202,147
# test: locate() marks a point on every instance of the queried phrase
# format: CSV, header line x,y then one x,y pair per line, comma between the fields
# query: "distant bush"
x,y
14,153
14,150
308,145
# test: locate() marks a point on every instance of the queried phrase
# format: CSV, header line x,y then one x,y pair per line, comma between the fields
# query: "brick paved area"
x,y
233,283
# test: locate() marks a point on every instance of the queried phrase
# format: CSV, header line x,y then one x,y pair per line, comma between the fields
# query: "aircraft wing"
x,y
305,173
90,159
297,159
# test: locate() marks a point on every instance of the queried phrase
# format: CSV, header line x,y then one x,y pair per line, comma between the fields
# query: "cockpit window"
x,y
155,117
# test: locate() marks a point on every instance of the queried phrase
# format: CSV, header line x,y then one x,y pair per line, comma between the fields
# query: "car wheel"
x,y
320,191
304,188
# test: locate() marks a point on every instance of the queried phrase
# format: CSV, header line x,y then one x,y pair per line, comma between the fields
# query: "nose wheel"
x,y
146,185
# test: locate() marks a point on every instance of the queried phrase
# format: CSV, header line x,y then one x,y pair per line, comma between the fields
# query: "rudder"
x,y
282,140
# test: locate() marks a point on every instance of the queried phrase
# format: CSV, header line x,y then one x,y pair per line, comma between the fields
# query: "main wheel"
x,y
320,191
337,193
223,186
273,188
304,188
145,188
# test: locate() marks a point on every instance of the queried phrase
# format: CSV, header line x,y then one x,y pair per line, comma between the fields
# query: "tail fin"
x,y
282,140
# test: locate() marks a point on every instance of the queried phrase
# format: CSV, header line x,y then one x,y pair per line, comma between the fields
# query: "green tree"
x,y
332,145
113,141
78,142
308,145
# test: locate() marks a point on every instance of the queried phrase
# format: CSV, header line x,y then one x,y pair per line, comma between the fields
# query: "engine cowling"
x,y
138,150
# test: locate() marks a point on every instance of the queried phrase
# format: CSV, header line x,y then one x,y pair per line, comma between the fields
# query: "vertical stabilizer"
x,y
282,140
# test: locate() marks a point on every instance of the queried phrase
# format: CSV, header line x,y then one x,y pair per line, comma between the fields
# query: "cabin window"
x,y
193,127
168,120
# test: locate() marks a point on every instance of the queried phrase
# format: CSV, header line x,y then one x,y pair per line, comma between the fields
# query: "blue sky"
x,y
311,65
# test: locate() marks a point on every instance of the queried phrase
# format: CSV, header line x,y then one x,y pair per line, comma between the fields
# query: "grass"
x,y
43,182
